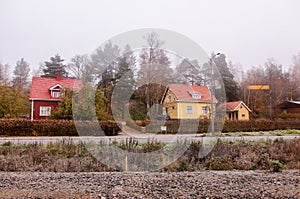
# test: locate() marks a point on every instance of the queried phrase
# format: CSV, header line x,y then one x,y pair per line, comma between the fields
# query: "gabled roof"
x,y
233,106
183,92
57,86
40,87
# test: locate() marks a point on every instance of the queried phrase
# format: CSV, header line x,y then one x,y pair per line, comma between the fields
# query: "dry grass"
x,y
226,155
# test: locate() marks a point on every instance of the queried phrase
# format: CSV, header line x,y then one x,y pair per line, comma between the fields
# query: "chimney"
x,y
58,77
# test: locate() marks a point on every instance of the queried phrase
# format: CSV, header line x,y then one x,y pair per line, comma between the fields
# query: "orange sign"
x,y
258,87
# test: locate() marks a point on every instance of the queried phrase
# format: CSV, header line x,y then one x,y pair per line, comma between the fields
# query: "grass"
x,y
67,156
264,133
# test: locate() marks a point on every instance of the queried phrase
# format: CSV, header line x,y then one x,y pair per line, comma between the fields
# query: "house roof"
x,y
183,92
40,87
289,104
232,106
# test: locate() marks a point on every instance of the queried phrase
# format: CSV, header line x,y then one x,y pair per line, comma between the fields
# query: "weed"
x,y
276,166
7,143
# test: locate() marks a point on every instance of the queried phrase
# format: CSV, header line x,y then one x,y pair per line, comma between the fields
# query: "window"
x,y
173,107
196,96
189,109
241,107
169,98
243,115
55,94
45,111
205,109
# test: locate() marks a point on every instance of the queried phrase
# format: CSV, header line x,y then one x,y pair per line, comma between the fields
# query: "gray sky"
x,y
248,32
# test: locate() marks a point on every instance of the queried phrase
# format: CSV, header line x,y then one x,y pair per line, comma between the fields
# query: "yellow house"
x,y
237,111
183,101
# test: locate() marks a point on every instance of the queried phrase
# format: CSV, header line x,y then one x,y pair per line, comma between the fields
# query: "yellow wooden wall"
x,y
197,110
243,110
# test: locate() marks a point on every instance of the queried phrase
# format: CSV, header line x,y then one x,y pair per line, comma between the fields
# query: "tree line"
x,y
141,77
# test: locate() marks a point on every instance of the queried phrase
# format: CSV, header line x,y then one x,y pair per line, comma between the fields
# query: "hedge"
x,y
202,126
18,127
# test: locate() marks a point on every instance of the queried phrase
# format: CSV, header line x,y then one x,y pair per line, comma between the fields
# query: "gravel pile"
x,y
206,184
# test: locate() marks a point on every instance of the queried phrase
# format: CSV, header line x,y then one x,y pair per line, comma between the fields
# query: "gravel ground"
x,y
206,184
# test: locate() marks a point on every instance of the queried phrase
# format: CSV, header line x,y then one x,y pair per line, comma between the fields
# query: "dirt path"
x,y
206,184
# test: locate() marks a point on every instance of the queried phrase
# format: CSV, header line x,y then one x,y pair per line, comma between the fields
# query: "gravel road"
x,y
206,184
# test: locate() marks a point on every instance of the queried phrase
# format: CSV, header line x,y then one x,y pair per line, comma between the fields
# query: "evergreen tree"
x,y
121,69
103,58
54,67
188,71
231,86
125,85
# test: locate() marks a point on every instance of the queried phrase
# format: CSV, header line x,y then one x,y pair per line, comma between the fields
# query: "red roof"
x,y
40,86
232,106
183,92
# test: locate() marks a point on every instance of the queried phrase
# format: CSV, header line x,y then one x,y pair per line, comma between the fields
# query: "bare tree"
x,y
154,70
4,72
80,68
21,74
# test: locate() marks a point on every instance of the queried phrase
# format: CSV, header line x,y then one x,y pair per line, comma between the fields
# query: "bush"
x,y
276,166
17,127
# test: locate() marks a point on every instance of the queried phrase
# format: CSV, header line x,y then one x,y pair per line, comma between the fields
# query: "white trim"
x,y
46,112
52,88
32,106
164,95
235,109
55,93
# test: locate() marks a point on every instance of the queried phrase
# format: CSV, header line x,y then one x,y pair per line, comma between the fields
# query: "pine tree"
x,y
231,86
189,71
55,67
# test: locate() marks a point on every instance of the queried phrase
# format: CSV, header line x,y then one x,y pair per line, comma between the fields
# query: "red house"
x,y
45,94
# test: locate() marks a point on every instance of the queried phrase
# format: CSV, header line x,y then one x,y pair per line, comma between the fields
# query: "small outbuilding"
x,y
237,111
290,107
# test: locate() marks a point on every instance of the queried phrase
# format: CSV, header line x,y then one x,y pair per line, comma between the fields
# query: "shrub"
x,y
276,166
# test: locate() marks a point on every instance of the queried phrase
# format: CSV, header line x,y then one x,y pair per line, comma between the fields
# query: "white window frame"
x,y
55,94
189,109
196,96
205,110
45,110
243,115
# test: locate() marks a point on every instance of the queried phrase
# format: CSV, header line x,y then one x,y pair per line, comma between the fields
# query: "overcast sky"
x,y
248,32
